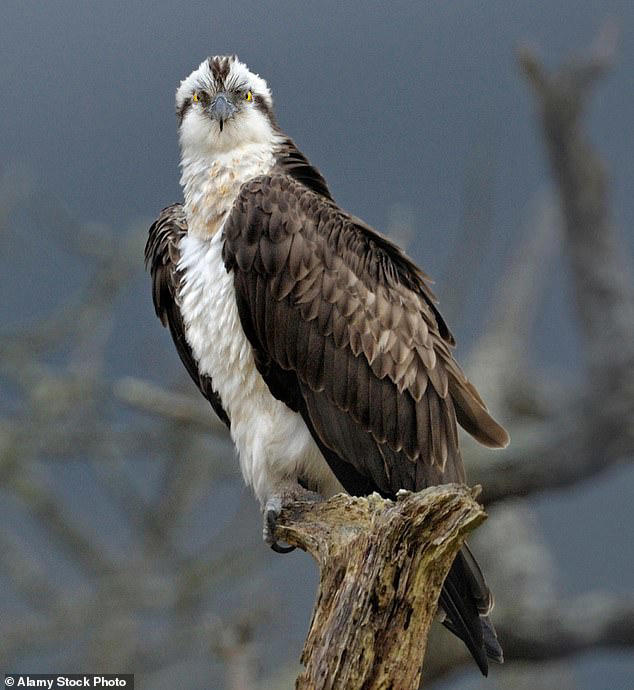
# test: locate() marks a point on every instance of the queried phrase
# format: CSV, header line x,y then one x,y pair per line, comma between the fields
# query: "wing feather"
x,y
337,306
162,255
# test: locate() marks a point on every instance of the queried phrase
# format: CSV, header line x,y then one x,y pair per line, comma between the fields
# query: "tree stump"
x,y
382,565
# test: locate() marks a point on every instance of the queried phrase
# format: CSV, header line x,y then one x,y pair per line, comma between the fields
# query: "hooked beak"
x,y
221,109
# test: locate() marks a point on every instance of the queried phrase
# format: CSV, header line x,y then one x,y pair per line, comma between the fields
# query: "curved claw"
x,y
271,514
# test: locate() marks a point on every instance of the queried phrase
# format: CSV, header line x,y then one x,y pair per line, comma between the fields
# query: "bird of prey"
x,y
316,340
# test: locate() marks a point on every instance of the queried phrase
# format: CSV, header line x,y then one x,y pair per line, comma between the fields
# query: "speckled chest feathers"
x,y
211,186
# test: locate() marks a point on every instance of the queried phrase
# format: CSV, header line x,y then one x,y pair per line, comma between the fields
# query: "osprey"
x,y
316,340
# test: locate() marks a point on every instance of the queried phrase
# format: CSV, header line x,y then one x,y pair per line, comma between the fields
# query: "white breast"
x,y
273,442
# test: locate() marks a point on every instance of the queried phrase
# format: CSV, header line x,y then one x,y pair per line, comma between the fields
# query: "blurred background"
x,y
128,542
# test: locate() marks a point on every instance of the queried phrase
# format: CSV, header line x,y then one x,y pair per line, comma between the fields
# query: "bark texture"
x,y
382,565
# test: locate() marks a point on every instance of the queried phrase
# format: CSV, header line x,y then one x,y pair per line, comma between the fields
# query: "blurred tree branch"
x,y
585,430
596,432
554,630
169,404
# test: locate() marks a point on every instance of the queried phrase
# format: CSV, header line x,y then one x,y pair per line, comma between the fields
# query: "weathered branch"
x,y
382,567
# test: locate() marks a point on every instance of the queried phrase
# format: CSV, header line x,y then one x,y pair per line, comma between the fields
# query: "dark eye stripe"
x,y
182,111
258,101
261,104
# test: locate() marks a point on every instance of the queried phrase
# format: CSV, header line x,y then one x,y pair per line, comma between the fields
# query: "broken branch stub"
x,y
382,565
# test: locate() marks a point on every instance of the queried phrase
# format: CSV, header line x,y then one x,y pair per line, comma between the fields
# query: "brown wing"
x,y
161,257
344,323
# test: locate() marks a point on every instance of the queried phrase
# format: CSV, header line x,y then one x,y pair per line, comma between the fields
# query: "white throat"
x,y
211,183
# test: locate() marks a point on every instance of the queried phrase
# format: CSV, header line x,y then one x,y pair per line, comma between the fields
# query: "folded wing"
x,y
345,329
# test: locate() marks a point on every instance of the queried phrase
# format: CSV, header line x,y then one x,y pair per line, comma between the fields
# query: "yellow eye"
x,y
249,96
195,97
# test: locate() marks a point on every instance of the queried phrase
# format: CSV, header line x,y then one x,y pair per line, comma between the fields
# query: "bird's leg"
x,y
285,494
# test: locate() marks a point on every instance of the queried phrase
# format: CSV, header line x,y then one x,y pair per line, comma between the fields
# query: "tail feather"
x,y
475,581
491,644
466,601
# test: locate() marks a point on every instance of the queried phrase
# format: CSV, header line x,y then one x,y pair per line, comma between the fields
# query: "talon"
x,y
273,509
271,514
281,549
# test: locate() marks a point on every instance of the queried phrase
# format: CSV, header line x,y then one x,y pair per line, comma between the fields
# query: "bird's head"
x,y
221,105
